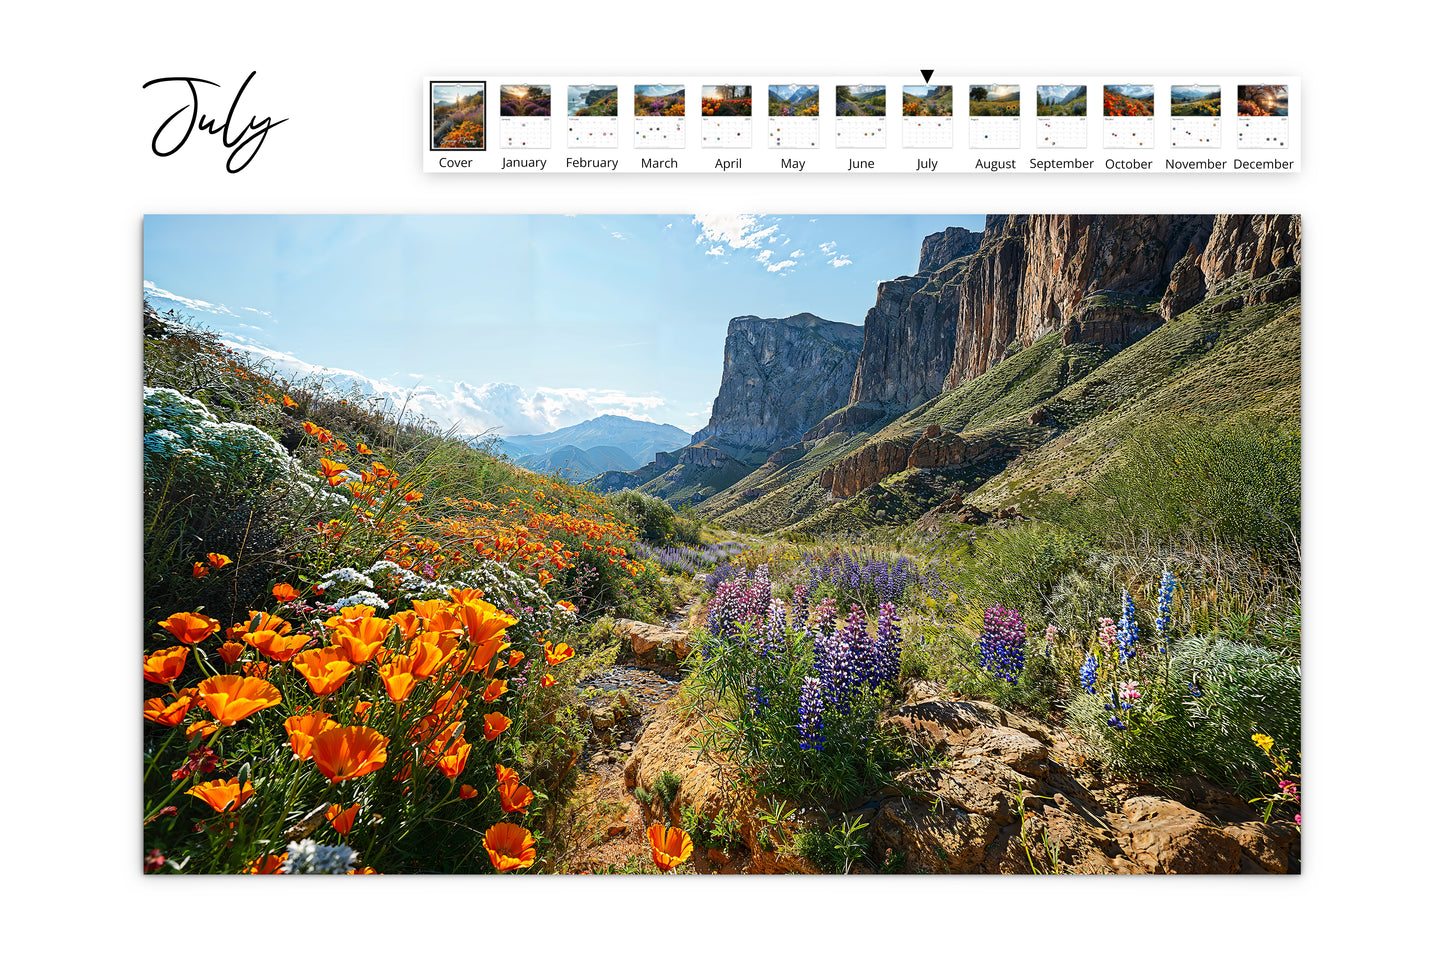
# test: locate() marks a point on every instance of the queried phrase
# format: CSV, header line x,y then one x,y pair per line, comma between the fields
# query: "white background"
x,y
78,175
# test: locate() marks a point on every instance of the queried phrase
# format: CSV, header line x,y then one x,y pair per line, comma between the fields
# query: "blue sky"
x,y
560,318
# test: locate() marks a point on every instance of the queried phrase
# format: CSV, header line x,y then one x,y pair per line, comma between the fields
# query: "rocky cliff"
x,y
1030,275
780,377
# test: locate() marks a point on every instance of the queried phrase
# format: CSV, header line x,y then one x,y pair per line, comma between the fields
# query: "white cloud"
x,y
505,409
249,327
715,251
194,304
764,257
828,247
620,237
840,260
734,230
797,253
780,265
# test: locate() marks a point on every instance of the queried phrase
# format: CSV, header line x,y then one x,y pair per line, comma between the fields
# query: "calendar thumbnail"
x,y
459,116
928,117
1194,116
1062,111
592,115
658,110
862,116
727,115
993,116
1129,116
526,116
1263,116
793,115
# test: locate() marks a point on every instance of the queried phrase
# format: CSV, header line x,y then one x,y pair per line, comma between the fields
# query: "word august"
x,y
189,118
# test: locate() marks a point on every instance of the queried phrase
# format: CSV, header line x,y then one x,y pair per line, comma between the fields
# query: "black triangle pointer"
x,y
927,75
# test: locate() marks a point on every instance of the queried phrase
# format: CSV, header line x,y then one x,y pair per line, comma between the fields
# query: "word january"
x,y
237,139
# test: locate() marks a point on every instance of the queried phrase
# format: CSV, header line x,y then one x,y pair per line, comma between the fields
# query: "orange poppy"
x,y
164,665
510,847
266,865
156,710
409,623
428,608
342,819
231,698
285,592
429,651
548,681
360,709
446,622
198,570
191,627
217,559
455,759
670,847
465,595
496,690
467,792
222,794
505,773
411,496
259,670
515,796
323,669
231,651
286,400
203,728
237,632
496,724
348,752
331,471
360,639
515,658
266,622
351,613
558,653
362,449
398,678
303,729
274,645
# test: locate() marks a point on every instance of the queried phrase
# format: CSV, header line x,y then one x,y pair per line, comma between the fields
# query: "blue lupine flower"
x,y
1166,600
1128,630
810,714
1088,673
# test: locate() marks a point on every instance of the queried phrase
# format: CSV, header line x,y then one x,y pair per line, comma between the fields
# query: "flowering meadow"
x,y
359,643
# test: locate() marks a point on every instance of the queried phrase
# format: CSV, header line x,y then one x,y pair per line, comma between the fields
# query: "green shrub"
x,y
1020,568
1197,712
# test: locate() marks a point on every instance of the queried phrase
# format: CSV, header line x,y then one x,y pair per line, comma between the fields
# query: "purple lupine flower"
x,y
889,645
800,608
1088,673
1001,646
775,633
810,714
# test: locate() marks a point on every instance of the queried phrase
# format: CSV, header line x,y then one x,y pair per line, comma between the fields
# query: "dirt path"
x,y
604,826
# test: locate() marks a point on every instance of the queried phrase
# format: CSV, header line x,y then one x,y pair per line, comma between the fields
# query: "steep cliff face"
x,y
780,376
1099,280
947,245
1030,275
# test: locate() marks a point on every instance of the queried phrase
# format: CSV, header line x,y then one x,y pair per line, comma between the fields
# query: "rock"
x,y
1164,836
1016,750
933,839
947,245
646,638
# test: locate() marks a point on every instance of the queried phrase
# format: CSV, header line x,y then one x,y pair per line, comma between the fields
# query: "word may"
x,y
253,135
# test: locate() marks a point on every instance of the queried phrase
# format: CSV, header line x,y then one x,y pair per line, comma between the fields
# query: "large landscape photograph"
x,y
723,544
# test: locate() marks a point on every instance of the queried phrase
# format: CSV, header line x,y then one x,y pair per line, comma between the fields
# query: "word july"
x,y
238,139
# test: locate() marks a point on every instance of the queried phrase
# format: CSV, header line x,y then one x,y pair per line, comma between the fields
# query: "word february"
x,y
237,139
